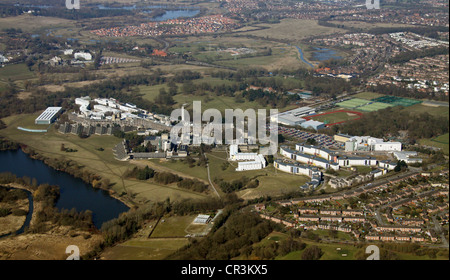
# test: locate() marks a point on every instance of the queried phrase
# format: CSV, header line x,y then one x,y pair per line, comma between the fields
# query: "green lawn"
x,y
174,226
438,142
271,181
15,72
434,111
144,249
336,117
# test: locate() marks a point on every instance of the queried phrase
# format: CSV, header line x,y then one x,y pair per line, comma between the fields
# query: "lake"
x,y
74,192
322,54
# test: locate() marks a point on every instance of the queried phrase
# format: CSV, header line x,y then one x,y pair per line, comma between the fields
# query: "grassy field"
x,y
366,25
15,72
438,142
336,117
149,249
283,57
435,111
174,226
209,49
294,30
30,23
271,181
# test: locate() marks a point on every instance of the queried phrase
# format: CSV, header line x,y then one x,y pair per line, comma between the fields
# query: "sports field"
x,y
396,101
374,106
352,103
336,117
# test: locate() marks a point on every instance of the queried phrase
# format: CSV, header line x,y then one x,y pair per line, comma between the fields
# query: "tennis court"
x,y
374,106
396,101
352,103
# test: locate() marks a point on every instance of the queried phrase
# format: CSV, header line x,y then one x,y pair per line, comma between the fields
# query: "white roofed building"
x,y
48,116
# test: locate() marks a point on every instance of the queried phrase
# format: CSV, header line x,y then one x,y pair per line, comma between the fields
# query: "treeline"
x,y
123,227
266,98
326,85
192,184
237,235
11,10
410,55
72,168
74,14
237,185
10,196
405,92
166,178
8,145
427,31
393,120
48,195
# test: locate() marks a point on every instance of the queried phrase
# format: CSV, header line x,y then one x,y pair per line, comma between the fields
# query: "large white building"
x,y
407,156
3,59
246,161
367,143
308,159
300,169
325,158
48,116
83,55
294,117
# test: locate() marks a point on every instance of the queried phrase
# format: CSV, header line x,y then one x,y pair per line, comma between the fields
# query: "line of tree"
x,y
410,55
391,120
72,168
166,178
236,185
6,144
238,233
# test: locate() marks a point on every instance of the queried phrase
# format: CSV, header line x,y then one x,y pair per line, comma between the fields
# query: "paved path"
x,y
209,177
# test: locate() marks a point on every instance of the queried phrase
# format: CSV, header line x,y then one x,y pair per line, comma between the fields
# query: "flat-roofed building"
x,y
341,137
291,120
313,124
202,219
48,116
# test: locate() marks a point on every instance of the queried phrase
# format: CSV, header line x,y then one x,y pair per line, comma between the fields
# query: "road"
x,y
438,229
209,177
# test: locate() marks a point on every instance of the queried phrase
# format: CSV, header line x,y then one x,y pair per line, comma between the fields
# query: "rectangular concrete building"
x,y
48,116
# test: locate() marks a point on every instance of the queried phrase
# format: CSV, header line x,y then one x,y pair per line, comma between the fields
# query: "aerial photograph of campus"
x,y
224,130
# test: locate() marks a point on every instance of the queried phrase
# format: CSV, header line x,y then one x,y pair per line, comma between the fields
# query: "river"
x,y
302,58
27,218
74,192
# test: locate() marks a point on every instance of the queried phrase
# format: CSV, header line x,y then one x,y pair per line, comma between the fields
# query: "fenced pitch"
x,y
352,103
396,101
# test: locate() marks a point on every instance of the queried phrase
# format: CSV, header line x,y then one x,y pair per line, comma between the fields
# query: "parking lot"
x,y
321,139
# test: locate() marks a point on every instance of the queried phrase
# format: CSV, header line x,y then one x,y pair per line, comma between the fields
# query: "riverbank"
x,y
46,160
11,223
48,245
